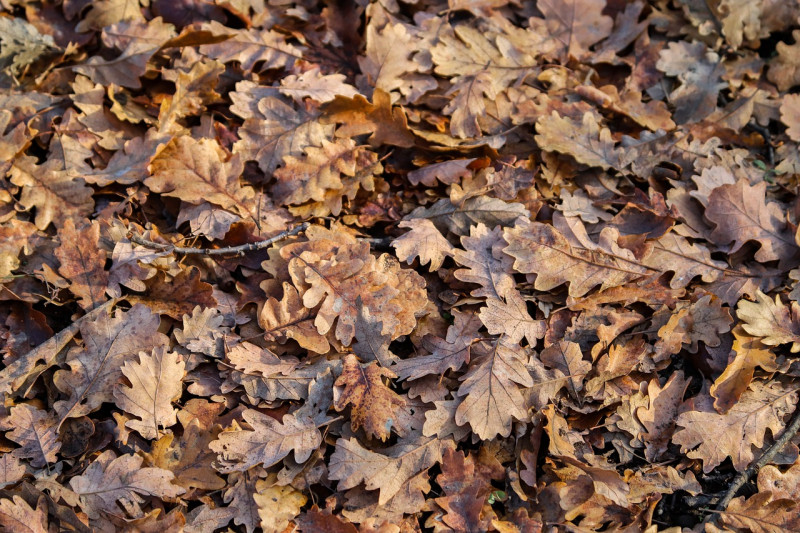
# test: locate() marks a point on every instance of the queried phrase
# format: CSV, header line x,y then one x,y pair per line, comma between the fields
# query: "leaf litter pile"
x,y
483,265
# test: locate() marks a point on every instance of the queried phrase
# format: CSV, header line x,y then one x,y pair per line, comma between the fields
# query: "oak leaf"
x,y
790,115
83,263
510,317
249,47
277,505
16,236
274,127
711,436
35,430
16,515
659,416
584,140
267,442
741,214
110,480
465,486
576,24
196,171
385,123
373,405
189,458
176,296
486,264
491,389
785,70
702,321
760,513
289,319
700,71
749,353
335,270
780,484
326,174
55,193
460,218
11,470
96,368
773,322
317,86
423,241
352,464
448,353
544,251
156,382
371,344
239,496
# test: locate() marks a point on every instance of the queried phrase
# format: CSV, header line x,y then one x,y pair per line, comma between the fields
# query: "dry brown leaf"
x,y
83,263
761,514
773,322
289,319
110,481
96,368
711,436
448,353
576,25
16,515
460,218
665,405
790,115
749,353
510,317
189,458
423,241
352,464
785,70
274,127
491,390
249,47
486,264
702,321
584,140
55,193
373,405
196,171
780,484
35,431
699,70
544,251
385,123
156,381
741,213
267,442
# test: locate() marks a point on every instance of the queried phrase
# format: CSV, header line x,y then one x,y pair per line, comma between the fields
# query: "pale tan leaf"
x,y
491,386
267,442
711,436
289,319
156,381
774,322
249,47
576,24
511,318
749,353
96,368
423,241
277,505
35,430
352,464
486,264
585,141
17,516
111,481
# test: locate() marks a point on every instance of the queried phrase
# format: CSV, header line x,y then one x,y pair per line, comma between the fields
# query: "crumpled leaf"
x,y
110,481
289,319
21,44
700,72
156,382
373,405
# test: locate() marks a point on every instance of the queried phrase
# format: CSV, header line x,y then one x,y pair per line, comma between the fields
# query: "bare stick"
x,y
231,250
790,431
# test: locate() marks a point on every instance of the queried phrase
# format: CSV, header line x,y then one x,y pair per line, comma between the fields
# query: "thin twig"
x,y
742,478
230,250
